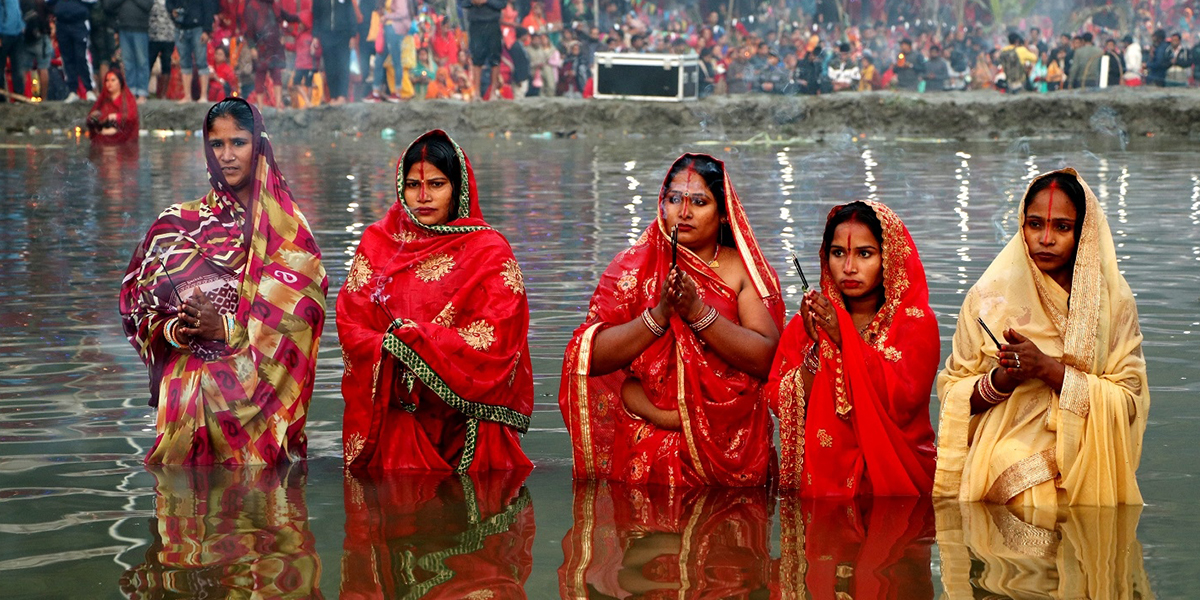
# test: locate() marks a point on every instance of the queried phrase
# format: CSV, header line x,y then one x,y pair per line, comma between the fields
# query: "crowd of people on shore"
x,y
297,53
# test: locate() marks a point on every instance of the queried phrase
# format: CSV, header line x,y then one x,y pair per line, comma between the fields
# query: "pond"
x,y
81,516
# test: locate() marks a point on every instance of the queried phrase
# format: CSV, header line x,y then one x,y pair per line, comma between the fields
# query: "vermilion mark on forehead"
x,y
1049,212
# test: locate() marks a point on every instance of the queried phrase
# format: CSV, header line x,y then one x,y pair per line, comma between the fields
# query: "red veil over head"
x,y
726,433
124,107
460,331
865,428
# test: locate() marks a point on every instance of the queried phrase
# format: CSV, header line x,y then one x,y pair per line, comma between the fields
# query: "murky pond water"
x,y
81,517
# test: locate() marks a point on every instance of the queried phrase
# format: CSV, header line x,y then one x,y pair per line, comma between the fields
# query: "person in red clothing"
x,y
852,379
114,117
433,323
223,82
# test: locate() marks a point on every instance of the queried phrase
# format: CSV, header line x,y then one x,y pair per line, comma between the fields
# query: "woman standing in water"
x,y
661,384
434,325
114,117
1054,413
851,381
225,300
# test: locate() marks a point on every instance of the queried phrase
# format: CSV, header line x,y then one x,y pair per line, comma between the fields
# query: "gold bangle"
x,y
652,325
169,332
705,321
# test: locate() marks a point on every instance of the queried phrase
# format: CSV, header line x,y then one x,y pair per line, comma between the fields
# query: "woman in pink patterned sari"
x,y
225,300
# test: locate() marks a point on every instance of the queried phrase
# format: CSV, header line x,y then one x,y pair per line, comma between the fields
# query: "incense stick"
x,y
159,252
989,332
800,271
674,245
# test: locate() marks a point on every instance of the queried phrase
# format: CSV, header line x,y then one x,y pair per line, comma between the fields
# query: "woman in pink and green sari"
x,y
224,300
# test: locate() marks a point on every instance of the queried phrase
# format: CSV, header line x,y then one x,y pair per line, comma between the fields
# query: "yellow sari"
x,y
1040,447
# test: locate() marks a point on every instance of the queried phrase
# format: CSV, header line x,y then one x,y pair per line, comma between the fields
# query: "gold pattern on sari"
x,y
512,277
825,438
354,446
360,273
435,267
478,335
446,317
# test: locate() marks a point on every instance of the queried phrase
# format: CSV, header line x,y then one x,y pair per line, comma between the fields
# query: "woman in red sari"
x,y
661,384
225,300
114,117
851,382
434,323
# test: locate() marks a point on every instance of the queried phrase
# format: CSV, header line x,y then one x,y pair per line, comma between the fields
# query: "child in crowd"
x,y
223,82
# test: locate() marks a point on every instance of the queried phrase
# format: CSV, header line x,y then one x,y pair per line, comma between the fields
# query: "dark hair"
x,y
905,41
439,152
935,48
1033,29
843,47
238,110
1014,37
1160,35
857,212
1087,37
714,177
1070,186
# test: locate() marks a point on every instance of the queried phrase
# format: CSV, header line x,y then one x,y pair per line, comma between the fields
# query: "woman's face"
x,y
1049,231
428,193
112,84
689,204
231,145
855,260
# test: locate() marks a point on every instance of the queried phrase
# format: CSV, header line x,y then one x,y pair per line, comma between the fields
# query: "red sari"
x,y
448,384
657,542
437,535
854,548
243,400
726,434
126,116
865,428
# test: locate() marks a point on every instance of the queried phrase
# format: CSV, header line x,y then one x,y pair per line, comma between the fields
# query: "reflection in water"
x,y
658,542
855,548
222,532
437,535
1076,552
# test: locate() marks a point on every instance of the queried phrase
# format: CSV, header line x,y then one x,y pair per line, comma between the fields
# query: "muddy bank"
x,y
969,115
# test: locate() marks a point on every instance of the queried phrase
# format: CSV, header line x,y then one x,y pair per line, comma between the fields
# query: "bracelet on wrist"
x,y
988,391
169,332
652,325
705,321
230,325
812,360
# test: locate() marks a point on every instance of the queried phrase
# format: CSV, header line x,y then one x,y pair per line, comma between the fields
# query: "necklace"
x,y
716,253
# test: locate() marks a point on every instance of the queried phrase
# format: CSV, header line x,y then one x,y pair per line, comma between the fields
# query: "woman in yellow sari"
x,y
1053,415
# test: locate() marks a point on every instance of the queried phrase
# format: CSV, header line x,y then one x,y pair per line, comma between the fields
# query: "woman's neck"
x,y
863,309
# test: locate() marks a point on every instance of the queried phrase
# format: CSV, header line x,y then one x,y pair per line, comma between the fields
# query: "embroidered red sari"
x,y
437,535
244,400
726,437
449,383
865,428
652,542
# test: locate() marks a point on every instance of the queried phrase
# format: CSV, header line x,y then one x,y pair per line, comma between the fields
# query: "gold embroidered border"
x,y
1023,475
583,365
681,393
1074,395
1022,537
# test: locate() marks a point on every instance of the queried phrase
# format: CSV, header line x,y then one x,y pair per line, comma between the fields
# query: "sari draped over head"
x,y
726,436
995,551
634,541
1083,443
860,547
865,429
437,535
228,532
433,322
126,111
244,400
